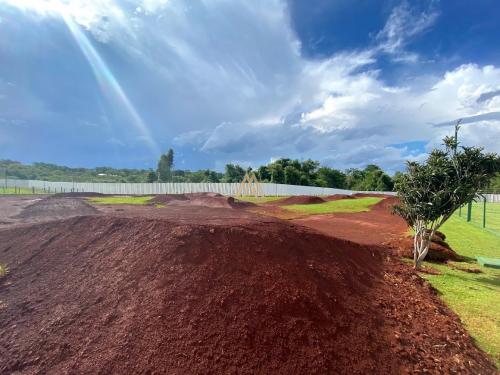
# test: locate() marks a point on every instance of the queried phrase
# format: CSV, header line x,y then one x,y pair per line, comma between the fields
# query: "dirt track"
x,y
374,227
207,290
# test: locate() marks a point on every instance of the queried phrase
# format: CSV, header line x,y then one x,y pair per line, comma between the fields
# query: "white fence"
x,y
170,188
492,198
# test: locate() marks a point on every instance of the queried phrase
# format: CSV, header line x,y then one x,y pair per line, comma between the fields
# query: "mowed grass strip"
x,y
473,296
20,191
343,205
121,200
260,199
492,215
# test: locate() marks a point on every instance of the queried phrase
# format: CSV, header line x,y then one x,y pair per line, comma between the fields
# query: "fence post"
x,y
484,213
469,210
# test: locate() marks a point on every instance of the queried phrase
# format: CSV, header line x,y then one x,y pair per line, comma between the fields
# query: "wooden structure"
x,y
250,186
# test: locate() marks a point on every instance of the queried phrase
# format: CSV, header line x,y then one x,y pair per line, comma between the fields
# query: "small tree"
x,y
165,164
152,177
430,192
162,170
170,163
233,173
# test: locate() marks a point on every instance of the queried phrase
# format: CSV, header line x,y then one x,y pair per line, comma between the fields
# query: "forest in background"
x,y
283,171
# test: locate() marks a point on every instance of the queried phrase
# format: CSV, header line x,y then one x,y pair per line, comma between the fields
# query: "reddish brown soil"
x,y
439,250
57,207
200,199
337,197
215,290
122,295
12,205
297,199
188,214
168,198
373,227
365,195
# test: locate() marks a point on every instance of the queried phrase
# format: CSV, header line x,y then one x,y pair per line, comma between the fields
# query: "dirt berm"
x,y
200,199
108,295
57,207
297,199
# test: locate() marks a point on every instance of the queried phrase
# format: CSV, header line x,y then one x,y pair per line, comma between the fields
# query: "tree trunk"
x,y
423,247
422,254
421,243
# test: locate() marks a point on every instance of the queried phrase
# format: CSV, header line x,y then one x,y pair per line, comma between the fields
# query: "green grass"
x,y
492,215
121,200
259,199
474,297
4,190
343,205
3,270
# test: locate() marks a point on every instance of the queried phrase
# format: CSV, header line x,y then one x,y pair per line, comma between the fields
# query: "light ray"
x,y
108,82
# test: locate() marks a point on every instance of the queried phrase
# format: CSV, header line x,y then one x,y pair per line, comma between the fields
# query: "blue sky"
x,y
346,82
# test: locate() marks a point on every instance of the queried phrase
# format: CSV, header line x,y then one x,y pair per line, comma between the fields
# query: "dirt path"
x,y
24,210
12,205
373,227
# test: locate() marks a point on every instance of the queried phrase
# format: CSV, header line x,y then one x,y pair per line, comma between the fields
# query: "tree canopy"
x,y
431,192
165,165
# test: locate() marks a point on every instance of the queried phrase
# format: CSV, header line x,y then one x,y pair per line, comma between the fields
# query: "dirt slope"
x,y
200,199
439,250
100,295
374,227
297,199
57,207
337,197
130,295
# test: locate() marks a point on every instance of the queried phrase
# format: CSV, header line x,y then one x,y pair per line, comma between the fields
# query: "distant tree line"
x,y
282,171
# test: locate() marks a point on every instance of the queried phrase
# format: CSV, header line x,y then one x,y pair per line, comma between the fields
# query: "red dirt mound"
x,y
298,199
385,204
168,198
439,250
121,295
371,227
133,296
337,197
374,195
200,199
56,207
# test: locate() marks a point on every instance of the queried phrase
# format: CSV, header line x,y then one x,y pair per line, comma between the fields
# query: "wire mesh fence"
x,y
484,212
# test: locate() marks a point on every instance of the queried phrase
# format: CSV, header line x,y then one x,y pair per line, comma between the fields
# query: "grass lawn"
x,y
4,190
121,200
343,205
492,215
257,200
474,297
3,270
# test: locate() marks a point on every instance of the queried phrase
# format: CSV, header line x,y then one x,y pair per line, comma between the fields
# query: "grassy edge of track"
x,y
472,296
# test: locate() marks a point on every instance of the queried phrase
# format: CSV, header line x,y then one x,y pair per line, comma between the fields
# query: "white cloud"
x,y
227,79
404,24
105,19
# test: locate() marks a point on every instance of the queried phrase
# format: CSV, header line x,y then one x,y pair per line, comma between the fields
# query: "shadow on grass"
x,y
469,259
495,281
488,282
